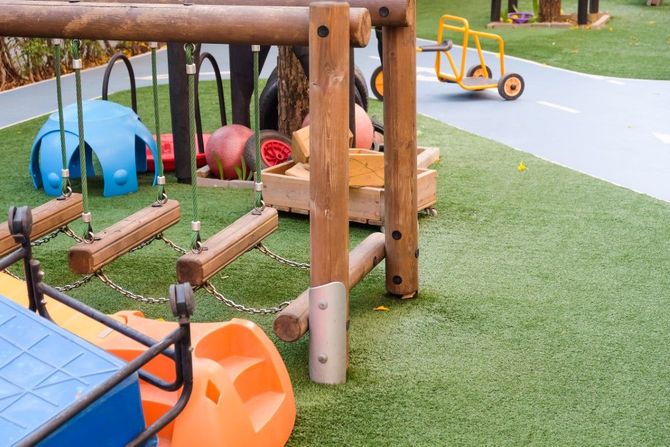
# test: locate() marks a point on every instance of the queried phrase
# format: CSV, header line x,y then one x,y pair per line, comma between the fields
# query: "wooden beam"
x,y
293,322
47,218
400,221
123,236
226,246
382,12
269,25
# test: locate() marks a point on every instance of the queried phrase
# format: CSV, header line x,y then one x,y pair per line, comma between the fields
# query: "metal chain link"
x,y
127,293
11,274
46,238
209,287
171,244
75,285
266,251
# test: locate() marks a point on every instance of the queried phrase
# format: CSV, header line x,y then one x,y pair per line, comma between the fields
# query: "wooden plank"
x,y
299,170
47,218
366,169
170,23
382,12
300,145
426,156
293,322
400,220
122,237
226,246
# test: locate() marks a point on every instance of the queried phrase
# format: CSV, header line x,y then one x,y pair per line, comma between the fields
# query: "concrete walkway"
x,y
614,129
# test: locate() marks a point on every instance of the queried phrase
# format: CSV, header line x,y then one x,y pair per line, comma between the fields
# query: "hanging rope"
x,y
196,241
86,215
258,181
162,196
66,187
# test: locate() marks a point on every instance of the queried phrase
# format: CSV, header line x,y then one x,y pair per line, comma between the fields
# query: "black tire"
x,y
361,87
476,72
511,86
376,90
378,128
266,135
269,101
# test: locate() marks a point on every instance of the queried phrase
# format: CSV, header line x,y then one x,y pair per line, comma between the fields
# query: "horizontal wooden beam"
x,y
293,322
267,25
382,12
123,236
226,246
47,218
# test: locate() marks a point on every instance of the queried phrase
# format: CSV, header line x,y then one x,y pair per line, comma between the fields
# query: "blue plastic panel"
x,y
44,369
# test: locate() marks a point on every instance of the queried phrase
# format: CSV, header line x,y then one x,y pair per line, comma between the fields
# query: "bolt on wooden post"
x,y
329,188
400,171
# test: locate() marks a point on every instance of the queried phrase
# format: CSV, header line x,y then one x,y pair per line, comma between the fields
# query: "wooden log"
x,y
382,12
293,322
47,218
400,220
226,246
269,25
123,236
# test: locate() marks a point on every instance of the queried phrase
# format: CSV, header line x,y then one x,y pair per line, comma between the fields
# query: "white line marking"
x,y
425,70
615,82
165,76
664,137
558,107
425,78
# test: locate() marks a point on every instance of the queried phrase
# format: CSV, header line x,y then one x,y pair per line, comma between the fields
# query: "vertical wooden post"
x,y
496,6
329,150
512,5
583,12
400,219
594,6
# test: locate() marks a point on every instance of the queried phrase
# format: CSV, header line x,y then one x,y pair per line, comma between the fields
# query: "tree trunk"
x,y
550,10
293,91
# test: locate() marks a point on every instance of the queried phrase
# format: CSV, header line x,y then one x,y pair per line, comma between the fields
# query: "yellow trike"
x,y
477,77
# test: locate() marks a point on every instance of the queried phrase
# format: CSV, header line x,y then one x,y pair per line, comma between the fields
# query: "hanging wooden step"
x,y
226,246
47,218
293,322
122,237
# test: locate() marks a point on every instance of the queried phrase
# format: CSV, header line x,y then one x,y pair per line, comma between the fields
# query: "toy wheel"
x,y
275,149
377,83
378,138
361,88
511,86
478,71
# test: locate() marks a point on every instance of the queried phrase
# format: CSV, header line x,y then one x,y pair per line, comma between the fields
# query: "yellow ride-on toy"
x,y
477,77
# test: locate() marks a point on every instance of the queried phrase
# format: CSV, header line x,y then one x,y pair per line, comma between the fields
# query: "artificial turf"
x,y
540,321
634,44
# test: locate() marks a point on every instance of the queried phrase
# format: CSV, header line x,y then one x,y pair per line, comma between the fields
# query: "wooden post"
x,y
329,146
594,6
496,6
512,5
400,171
583,12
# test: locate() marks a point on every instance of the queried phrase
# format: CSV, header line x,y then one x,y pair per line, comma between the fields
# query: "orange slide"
x,y
242,393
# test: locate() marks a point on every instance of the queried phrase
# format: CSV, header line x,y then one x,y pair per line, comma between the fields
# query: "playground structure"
x,y
326,27
584,8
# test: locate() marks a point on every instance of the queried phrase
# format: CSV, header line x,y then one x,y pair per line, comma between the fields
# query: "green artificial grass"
x,y
634,44
541,318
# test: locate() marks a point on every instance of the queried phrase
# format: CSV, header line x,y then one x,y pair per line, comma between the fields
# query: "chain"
x,y
67,231
11,274
171,244
127,293
209,287
75,285
46,238
266,251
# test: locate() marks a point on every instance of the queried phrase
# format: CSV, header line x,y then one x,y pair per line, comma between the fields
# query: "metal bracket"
x,y
20,223
328,333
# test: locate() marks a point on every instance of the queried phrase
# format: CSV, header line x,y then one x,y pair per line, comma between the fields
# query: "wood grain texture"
x,y
226,246
400,220
382,12
122,237
269,25
47,218
293,322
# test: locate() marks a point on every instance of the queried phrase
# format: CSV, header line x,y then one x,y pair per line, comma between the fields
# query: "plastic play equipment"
x,y
478,77
240,394
113,132
65,392
225,149
275,148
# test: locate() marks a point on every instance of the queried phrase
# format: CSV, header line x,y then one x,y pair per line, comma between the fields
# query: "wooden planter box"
x,y
366,204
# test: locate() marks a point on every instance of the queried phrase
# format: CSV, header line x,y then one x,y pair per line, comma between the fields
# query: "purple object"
x,y
520,17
